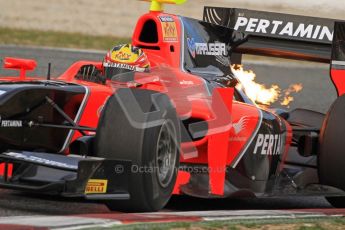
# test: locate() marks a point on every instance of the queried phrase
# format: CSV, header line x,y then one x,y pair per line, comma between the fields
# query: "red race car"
x,y
181,126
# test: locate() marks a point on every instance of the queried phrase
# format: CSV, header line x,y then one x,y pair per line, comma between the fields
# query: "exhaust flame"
x,y
260,93
295,88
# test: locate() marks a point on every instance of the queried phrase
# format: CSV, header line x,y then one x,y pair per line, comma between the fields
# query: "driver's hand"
x,y
227,81
90,73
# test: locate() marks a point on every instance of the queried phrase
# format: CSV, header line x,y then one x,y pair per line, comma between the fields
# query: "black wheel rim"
x,y
166,152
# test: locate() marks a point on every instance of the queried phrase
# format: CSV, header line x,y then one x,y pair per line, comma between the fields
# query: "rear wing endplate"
x,y
338,58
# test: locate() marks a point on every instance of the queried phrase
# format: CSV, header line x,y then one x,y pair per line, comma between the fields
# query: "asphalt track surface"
x,y
318,94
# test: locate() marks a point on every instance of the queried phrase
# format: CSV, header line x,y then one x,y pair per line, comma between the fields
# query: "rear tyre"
x,y
331,156
151,144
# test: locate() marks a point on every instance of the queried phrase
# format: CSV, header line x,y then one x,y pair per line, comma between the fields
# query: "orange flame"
x,y
260,93
294,88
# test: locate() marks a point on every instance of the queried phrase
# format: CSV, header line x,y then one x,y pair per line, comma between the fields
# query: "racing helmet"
x,y
123,59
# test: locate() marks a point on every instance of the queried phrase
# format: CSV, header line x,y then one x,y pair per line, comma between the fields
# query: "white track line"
x,y
59,222
79,222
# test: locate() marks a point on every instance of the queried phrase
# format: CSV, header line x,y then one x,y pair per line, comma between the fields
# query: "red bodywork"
x,y
337,76
219,147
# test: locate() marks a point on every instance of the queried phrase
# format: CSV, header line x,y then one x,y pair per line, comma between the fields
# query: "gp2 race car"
x,y
183,128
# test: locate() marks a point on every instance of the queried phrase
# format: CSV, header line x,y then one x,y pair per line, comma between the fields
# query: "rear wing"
x,y
276,34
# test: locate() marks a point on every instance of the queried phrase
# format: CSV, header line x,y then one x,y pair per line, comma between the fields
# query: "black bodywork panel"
x,y
338,49
27,101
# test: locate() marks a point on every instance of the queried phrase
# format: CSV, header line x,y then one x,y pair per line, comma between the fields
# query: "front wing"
x,y
69,176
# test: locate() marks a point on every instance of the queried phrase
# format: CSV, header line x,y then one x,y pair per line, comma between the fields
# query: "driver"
x,y
121,59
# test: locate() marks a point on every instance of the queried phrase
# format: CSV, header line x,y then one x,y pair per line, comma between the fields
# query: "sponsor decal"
x,y
119,65
191,46
206,49
122,56
184,82
123,66
269,144
238,127
211,49
166,19
95,186
11,123
169,29
39,160
277,27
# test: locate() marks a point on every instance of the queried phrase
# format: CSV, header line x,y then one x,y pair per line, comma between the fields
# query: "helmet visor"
x,y
112,69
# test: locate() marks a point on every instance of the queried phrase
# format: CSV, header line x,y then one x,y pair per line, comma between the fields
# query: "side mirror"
x,y
20,64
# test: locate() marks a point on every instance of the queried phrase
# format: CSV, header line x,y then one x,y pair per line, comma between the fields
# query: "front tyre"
x,y
152,146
